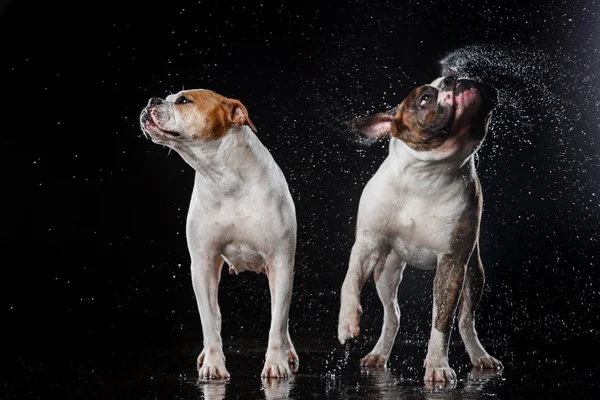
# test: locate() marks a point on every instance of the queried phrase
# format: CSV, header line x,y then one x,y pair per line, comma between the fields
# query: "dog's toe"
x,y
374,361
201,358
275,370
444,374
212,371
348,325
293,360
489,362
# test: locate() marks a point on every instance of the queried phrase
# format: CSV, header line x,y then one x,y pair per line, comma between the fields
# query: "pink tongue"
x,y
154,118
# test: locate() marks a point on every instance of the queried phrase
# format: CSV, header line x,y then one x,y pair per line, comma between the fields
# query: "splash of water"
x,y
548,119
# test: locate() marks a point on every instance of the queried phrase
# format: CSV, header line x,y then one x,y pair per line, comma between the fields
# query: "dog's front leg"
x,y
365,256
206,272
387,281
280,349
447,287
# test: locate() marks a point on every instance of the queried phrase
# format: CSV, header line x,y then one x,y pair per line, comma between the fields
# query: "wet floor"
x,y
164,369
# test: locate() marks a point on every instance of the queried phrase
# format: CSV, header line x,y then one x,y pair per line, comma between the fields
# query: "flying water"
x,y
547,124
540,172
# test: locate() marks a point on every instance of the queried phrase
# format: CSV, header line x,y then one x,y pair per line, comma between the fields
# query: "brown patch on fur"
x,y
473,288
412,124
221,112
238,114
450,274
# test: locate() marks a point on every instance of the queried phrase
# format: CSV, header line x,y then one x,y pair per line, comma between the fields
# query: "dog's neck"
x,y
228,161
421,167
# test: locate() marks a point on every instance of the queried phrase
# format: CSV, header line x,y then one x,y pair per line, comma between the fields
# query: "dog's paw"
x,y
211,367
439,372
479,374
348,322
374,361
276,369
213,370
276,362
487,362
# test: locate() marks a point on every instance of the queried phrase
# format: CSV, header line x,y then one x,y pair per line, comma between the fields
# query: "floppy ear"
x,y
377,126
238,114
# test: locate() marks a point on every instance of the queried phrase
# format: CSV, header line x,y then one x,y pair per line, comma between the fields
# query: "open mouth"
x,y
149,123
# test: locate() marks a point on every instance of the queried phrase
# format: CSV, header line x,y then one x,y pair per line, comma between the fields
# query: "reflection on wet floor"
x,y
327,371
334,374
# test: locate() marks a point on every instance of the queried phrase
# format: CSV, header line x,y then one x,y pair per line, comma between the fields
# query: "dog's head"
x,y
447,118
192,115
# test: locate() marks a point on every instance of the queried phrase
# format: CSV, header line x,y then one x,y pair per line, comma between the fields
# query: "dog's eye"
x,y
424,100
182,100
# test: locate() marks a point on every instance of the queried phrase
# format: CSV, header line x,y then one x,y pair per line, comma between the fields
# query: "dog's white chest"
x,y
423,230
416,216
244,236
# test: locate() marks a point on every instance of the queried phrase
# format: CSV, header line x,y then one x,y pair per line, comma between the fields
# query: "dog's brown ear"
x,y
238,114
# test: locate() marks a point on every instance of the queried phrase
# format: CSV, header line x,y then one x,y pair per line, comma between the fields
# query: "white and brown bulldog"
x,y
423,208
241,212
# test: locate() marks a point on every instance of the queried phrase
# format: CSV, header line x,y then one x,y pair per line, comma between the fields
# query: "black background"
x,y
93,231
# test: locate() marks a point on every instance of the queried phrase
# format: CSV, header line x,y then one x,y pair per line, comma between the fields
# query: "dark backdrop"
x,y
93,231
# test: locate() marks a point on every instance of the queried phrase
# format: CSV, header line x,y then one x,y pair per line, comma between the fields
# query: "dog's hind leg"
x,y
387,280
471,294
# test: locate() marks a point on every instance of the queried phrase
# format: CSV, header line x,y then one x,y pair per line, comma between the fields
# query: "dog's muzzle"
x,y
152,114
145,117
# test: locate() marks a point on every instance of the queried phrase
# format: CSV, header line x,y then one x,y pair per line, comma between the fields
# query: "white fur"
x,y
240,211
407,214
412,204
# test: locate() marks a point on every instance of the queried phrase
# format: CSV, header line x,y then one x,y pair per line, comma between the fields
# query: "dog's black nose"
x,y
154,101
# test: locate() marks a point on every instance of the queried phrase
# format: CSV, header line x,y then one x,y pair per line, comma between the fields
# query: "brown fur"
x,y
474,281
410,124
221,112
451,270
